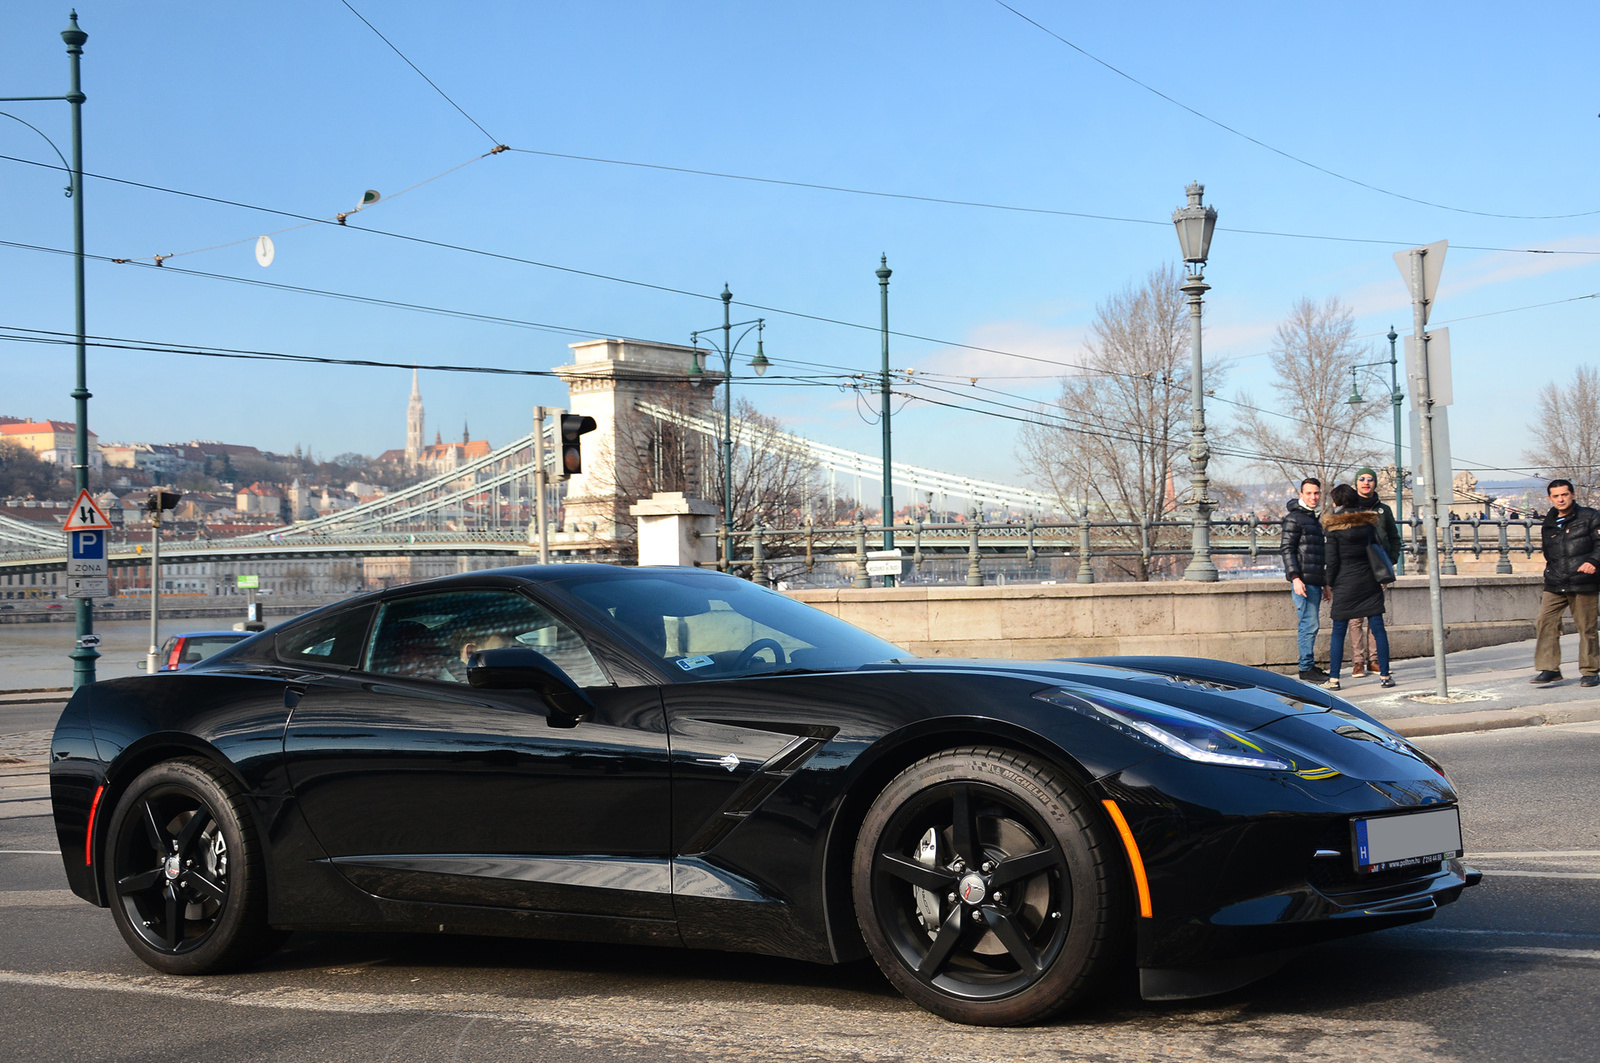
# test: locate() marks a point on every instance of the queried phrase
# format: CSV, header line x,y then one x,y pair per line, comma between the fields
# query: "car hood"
x,y
1238,697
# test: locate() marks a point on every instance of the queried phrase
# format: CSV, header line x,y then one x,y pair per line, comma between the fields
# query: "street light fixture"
x,y
1195,224
697,375
83,654
1396,397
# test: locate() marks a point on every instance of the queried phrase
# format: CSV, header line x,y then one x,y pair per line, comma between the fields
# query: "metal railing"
x,y
766,553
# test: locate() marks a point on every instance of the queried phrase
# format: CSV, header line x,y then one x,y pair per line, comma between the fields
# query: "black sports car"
x,y
678,757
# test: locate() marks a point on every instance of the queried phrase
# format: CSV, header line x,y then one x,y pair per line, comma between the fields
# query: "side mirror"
x,y
519,668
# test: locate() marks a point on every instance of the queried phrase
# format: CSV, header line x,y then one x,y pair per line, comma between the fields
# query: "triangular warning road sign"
x,y
86,516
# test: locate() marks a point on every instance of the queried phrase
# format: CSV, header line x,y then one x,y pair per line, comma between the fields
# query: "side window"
x,y
330,640
431,636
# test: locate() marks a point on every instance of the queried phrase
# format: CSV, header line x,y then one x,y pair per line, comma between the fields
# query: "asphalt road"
x,y
1510,972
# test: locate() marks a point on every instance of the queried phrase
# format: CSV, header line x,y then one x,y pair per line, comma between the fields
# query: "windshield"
x,y
708,625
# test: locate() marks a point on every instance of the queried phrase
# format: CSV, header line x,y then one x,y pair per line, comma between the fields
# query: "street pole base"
x,y
83,658
1200,571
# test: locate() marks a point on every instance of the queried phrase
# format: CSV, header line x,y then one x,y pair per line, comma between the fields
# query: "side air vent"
x,y
747,798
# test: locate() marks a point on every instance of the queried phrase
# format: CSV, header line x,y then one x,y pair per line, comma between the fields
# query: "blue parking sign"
x,y
88,546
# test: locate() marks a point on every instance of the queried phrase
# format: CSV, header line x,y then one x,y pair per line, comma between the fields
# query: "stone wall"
x,y
1247,621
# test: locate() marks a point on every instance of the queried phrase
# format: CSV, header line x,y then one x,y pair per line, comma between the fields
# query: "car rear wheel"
x,y
986,888
184,873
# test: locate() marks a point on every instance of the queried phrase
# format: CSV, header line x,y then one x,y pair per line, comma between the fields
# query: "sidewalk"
x,y
1488,687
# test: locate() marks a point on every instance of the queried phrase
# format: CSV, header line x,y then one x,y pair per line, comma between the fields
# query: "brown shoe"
x,y
1358,671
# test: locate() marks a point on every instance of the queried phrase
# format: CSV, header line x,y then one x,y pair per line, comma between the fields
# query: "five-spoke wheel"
x,y
984,887
183,872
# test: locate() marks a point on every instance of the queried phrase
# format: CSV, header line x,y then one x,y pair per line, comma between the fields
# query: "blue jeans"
x,y
1308,608
1380,639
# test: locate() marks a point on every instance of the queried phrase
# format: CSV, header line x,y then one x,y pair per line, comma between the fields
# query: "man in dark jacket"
x,y
1303,566
1571,537
1364,654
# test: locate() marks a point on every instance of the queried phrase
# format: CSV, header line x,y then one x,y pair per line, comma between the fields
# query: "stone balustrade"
x,y
1246,621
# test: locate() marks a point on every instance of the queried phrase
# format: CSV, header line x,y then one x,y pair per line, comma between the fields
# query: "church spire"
x,y
414,421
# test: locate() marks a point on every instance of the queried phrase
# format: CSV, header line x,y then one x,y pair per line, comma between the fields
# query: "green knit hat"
x,y
1366,472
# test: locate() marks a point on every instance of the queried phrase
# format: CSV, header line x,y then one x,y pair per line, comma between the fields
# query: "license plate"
x,y
1386,842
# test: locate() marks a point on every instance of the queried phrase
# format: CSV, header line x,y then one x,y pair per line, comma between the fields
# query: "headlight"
x,y
1171,730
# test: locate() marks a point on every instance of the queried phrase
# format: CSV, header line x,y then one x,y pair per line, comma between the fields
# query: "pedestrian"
x,y
1571,537
1350,529
1302,547
1363,653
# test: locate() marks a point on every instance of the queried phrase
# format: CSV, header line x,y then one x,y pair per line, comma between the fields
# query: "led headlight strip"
x,y
1172,730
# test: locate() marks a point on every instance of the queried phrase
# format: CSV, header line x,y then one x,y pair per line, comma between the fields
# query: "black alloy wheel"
x,y
183,871
987,889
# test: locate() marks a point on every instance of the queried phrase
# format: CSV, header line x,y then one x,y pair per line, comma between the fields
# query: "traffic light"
x,y
573,426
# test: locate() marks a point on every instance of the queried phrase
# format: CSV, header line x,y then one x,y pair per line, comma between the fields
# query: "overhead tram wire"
x,y
420,74
568,330
1020,414
55,338
943,201
765,180
1279,151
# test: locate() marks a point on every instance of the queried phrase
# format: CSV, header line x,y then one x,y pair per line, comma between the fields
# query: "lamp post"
x,y
1195,224
1396,397
697,374
884,272
83,656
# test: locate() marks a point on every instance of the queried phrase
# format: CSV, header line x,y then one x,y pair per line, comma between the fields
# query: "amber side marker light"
x,y
88,837
1136,861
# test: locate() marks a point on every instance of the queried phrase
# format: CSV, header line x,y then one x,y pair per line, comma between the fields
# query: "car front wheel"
x,y
184,873
986,888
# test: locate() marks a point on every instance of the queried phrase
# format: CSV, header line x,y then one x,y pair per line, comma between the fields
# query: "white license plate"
x,y
1386,842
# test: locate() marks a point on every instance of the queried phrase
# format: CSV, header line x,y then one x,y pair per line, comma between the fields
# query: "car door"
x,y
422,788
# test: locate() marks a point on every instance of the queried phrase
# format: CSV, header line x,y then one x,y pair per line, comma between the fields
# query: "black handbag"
x,y
1382,569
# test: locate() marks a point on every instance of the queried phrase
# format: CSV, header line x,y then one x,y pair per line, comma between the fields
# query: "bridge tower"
x,y
630,455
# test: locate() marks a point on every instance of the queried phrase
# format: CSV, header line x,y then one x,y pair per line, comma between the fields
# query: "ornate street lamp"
x,y
697,375
83,654
1396,397
1195,224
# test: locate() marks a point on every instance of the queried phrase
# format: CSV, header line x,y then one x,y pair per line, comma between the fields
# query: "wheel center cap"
x,y
972,889
173,866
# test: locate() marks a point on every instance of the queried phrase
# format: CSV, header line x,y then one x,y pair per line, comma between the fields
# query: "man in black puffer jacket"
x,y
1571,537
1304,560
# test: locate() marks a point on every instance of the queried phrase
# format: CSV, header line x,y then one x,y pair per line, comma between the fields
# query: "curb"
x,y
1490,720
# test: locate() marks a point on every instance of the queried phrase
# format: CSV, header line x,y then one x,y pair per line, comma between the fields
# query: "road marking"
x,y
40,899
1497,873
1560,954
1534,854
30,852
1498,933
846,1026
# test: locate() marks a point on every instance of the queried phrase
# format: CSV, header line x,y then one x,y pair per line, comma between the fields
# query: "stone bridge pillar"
x,y
668,523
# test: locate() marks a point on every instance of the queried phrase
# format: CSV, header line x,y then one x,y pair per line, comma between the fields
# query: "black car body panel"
x,y
722,812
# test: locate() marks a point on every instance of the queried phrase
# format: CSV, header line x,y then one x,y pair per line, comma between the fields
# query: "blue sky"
x,y
298,106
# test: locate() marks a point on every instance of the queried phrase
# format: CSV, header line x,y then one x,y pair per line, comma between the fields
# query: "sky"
x,y
1327,123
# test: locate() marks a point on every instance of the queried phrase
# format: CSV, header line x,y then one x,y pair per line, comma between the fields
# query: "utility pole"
x,y
1430,517
888,467
540,517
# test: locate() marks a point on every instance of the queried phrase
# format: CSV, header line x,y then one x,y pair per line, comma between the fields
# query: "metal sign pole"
x,y
539,482
1430,517
155,594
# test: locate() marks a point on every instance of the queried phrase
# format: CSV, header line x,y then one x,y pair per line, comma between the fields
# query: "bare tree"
x,y
774,477
1117,435
1566,432
1317,433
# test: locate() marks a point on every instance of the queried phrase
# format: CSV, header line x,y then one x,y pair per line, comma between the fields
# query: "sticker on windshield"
x,y
689,664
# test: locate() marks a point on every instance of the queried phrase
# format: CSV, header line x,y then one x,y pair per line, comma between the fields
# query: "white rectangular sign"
x,y
88,587
885,563
1440,389
1443,471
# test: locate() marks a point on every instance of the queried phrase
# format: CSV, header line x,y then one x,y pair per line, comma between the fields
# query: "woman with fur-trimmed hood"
x,y
1357,594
